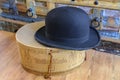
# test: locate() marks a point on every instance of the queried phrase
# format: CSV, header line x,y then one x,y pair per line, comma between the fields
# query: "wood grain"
x,y
104,4
107,4
98,65
110,39
12,21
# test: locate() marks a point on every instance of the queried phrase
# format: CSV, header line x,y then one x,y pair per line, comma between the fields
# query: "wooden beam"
x,y
110,39
12,21
115,5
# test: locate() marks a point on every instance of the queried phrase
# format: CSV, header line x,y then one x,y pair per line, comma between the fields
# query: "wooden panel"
x,y
112,1
108,4
21,7
39,10
102,4
111,40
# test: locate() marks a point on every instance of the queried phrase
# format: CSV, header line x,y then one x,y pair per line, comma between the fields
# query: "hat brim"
x,y
93,41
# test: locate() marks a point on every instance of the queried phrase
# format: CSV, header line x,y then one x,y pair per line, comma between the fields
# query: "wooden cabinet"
x,y
107,4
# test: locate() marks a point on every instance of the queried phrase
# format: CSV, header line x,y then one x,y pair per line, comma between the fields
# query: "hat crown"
x,y
67,23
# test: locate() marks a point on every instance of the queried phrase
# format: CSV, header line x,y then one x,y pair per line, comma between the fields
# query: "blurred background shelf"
x,y
107,11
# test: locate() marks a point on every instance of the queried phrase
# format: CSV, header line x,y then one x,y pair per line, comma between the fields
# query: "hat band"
x,y
67,40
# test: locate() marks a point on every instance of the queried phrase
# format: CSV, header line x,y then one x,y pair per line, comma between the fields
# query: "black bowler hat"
x,y
68,28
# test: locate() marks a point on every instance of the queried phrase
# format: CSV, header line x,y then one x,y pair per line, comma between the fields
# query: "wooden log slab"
x,y
35,56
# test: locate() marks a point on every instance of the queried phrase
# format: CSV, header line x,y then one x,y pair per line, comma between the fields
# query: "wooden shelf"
x,y
12,21
110,39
